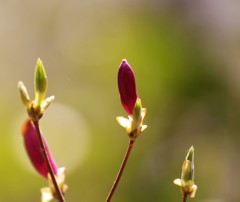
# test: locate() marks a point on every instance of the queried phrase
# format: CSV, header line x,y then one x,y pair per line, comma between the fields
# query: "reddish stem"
x,y
185,197
119,175
46,158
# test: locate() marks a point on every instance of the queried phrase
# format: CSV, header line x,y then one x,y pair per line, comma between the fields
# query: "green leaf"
x,y
40,83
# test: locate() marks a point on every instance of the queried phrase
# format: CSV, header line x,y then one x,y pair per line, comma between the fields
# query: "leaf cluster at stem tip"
x,y
36,107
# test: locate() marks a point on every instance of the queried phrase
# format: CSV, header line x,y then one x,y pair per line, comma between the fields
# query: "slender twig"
x,y
185,197
119,175
60,196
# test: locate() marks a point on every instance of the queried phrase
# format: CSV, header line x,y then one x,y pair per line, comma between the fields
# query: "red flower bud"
x,y
127,86
33,149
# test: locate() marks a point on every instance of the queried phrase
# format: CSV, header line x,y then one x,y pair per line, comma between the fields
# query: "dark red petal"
x,y
32,147
127,86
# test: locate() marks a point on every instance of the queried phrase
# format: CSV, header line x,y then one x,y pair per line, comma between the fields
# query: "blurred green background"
x,y
185,55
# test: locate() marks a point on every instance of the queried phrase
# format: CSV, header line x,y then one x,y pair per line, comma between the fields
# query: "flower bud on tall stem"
x,y
132,105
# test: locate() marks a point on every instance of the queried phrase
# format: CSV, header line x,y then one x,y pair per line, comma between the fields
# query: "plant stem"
x,y
119,175
46,158
185,197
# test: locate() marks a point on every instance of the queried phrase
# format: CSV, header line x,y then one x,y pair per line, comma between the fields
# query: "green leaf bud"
x,y
40,83
188,167
186,183
137,111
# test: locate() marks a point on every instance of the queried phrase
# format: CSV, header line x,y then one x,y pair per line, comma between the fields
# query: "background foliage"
x,y
185,55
